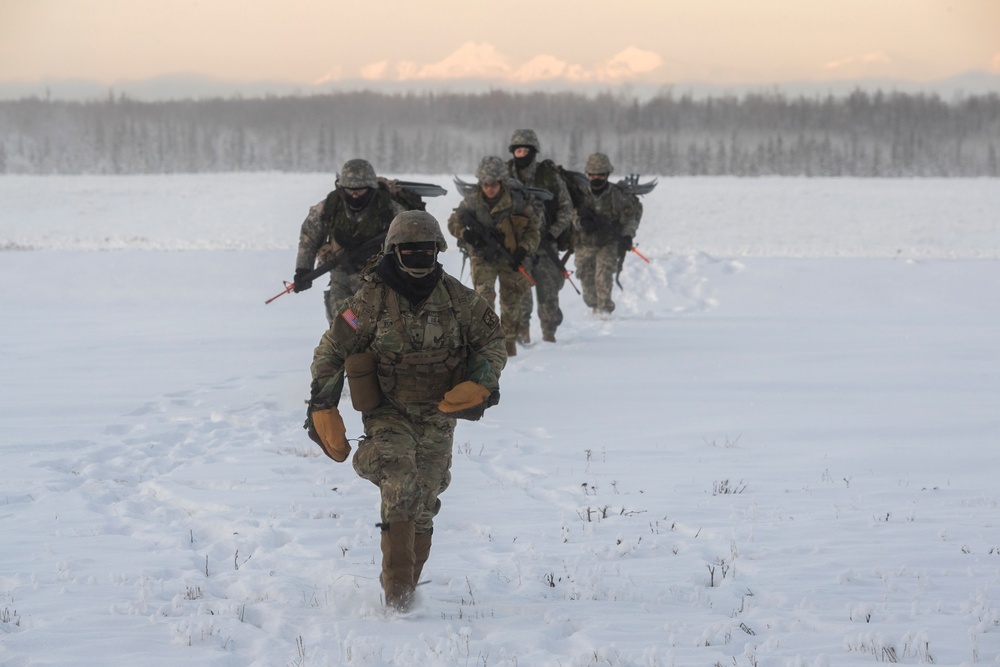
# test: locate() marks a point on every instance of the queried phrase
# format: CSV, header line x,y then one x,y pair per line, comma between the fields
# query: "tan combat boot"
x,y
397,564
421,551
511,348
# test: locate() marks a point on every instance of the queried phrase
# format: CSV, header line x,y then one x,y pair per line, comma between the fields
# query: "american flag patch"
x,y
350,318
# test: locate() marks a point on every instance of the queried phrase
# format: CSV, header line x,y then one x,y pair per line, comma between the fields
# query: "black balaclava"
x,y
396,276
525,162
598,184
360,202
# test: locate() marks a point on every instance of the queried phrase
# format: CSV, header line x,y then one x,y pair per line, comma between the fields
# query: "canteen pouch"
x,y
363,382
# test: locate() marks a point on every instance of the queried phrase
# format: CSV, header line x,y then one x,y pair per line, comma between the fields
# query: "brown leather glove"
x,y
466,400
328,431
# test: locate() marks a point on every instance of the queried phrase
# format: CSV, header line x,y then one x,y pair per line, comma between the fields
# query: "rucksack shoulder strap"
x,y
460,300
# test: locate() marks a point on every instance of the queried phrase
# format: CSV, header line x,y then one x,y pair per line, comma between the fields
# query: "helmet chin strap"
x,y
415,273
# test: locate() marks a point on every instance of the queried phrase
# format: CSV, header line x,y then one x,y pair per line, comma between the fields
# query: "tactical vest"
x,y
421,376
348,233
546,176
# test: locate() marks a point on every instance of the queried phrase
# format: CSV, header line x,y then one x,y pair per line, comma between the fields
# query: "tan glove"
x,y
328,431
466,400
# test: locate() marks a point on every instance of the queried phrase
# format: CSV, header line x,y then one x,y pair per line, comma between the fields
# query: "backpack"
x,y
576,183
409,199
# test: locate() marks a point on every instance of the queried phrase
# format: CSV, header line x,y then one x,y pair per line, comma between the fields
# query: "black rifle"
x,y
560,263
592,222
352,256
491,243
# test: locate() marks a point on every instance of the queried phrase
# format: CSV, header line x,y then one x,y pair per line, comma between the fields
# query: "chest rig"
x,y
420,355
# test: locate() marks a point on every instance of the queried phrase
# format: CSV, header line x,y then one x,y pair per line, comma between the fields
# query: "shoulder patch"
x,y
490,319
351,319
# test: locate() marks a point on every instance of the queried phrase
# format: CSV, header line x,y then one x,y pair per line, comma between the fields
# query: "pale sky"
x,y
653,41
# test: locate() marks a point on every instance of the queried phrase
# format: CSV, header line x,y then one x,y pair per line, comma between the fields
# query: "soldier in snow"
x,y
419,350
349,226
606,222
498,225
556,228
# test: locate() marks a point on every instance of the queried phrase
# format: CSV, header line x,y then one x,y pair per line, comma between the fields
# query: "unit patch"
x,y
490,319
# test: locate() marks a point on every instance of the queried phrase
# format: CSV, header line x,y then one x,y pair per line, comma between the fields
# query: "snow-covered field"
x,y
781,450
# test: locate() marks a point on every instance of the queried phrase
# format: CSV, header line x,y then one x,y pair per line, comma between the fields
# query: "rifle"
x,y
641,256
621,261
561,263
365,250
596,223
492,238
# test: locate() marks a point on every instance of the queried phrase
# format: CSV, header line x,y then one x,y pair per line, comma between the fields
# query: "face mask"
x,y
417,259
524,162
360,202
597,184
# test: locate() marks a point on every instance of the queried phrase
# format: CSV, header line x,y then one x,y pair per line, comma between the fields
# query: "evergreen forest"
x,y
863,134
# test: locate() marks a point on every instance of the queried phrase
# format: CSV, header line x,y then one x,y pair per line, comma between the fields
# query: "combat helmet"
x,y
356,174
491,170
598,163
413,227
418,231
524,138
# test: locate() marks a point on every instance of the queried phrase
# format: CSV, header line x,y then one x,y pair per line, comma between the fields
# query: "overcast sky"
x,y
665,41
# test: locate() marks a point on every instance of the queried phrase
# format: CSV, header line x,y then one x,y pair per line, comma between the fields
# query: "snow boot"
x,y
421,551
397,564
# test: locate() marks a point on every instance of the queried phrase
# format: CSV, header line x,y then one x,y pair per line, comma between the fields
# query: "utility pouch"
x,y
361,378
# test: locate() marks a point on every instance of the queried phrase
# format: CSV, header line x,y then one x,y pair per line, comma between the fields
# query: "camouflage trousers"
x,y
596,267
342,285
408,457
548,281
513,286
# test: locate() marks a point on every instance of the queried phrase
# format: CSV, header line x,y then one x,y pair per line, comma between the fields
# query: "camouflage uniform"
x,y
518,217
333,224
420,352
598,248
408,443
554,235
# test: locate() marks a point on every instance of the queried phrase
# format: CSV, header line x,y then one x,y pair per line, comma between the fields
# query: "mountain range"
x,y
480,66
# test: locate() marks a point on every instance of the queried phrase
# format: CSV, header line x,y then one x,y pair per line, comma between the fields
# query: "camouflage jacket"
x,y
331,224
420,353
516,214
559,209
623,209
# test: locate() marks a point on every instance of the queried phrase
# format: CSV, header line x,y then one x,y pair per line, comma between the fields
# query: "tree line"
x,y
861,134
